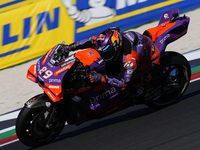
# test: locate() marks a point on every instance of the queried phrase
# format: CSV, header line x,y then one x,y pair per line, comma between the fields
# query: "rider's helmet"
x,y
108,44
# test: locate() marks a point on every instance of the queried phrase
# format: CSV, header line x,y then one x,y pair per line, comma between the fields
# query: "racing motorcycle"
x,y
70,97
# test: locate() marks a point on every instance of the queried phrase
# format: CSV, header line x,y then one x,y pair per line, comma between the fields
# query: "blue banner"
x,y
94,16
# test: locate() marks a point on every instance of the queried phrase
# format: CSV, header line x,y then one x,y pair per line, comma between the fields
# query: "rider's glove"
x,y
66,47
96,77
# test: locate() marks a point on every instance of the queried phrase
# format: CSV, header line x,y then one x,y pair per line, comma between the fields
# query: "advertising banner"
x,y
30,31
29,28
94,16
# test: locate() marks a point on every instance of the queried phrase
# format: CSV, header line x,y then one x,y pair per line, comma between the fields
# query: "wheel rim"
x,y
36,129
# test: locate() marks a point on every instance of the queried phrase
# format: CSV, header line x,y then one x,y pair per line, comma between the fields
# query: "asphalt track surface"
x,y
140,127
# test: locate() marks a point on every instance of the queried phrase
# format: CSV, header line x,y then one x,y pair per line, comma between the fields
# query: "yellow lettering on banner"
x,y
30,31
130,14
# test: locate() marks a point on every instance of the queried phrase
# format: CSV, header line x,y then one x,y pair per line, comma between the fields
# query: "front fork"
x,y
50,115
49,109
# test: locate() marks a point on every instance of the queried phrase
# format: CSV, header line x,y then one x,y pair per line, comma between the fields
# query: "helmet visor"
x,y
106,53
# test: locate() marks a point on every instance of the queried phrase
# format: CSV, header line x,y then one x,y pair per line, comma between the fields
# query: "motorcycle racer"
x,y
120,57
127,49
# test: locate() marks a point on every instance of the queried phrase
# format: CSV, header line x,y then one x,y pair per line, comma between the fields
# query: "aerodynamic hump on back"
x,y
168,15
170,28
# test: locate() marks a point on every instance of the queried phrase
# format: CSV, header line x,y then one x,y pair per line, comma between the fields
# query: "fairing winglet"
x,y
54,92
32,74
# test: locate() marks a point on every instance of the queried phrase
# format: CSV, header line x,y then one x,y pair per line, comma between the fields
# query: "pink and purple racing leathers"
x,y
137,51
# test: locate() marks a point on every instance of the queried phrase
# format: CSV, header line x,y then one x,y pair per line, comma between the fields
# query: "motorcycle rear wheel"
x,y
32,129
176,73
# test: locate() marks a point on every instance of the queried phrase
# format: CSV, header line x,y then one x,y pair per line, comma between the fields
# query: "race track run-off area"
x,y
174,127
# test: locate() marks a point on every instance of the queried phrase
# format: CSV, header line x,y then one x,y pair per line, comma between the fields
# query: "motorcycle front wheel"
x,y
37,127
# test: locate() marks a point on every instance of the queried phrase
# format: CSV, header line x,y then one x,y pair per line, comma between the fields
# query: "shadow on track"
x,y
120,118
189,95
103,123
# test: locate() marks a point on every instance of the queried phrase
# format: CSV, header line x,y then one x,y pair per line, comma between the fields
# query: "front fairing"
x,y
50,76
55,76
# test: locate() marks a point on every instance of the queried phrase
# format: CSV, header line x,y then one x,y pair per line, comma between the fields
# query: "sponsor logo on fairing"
x,y
166,16
129,37
55,80
30,101
50,95
54,86
140,43
47,55
38,65
165,38
50,65
62,70
66,63
31,78
103,95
